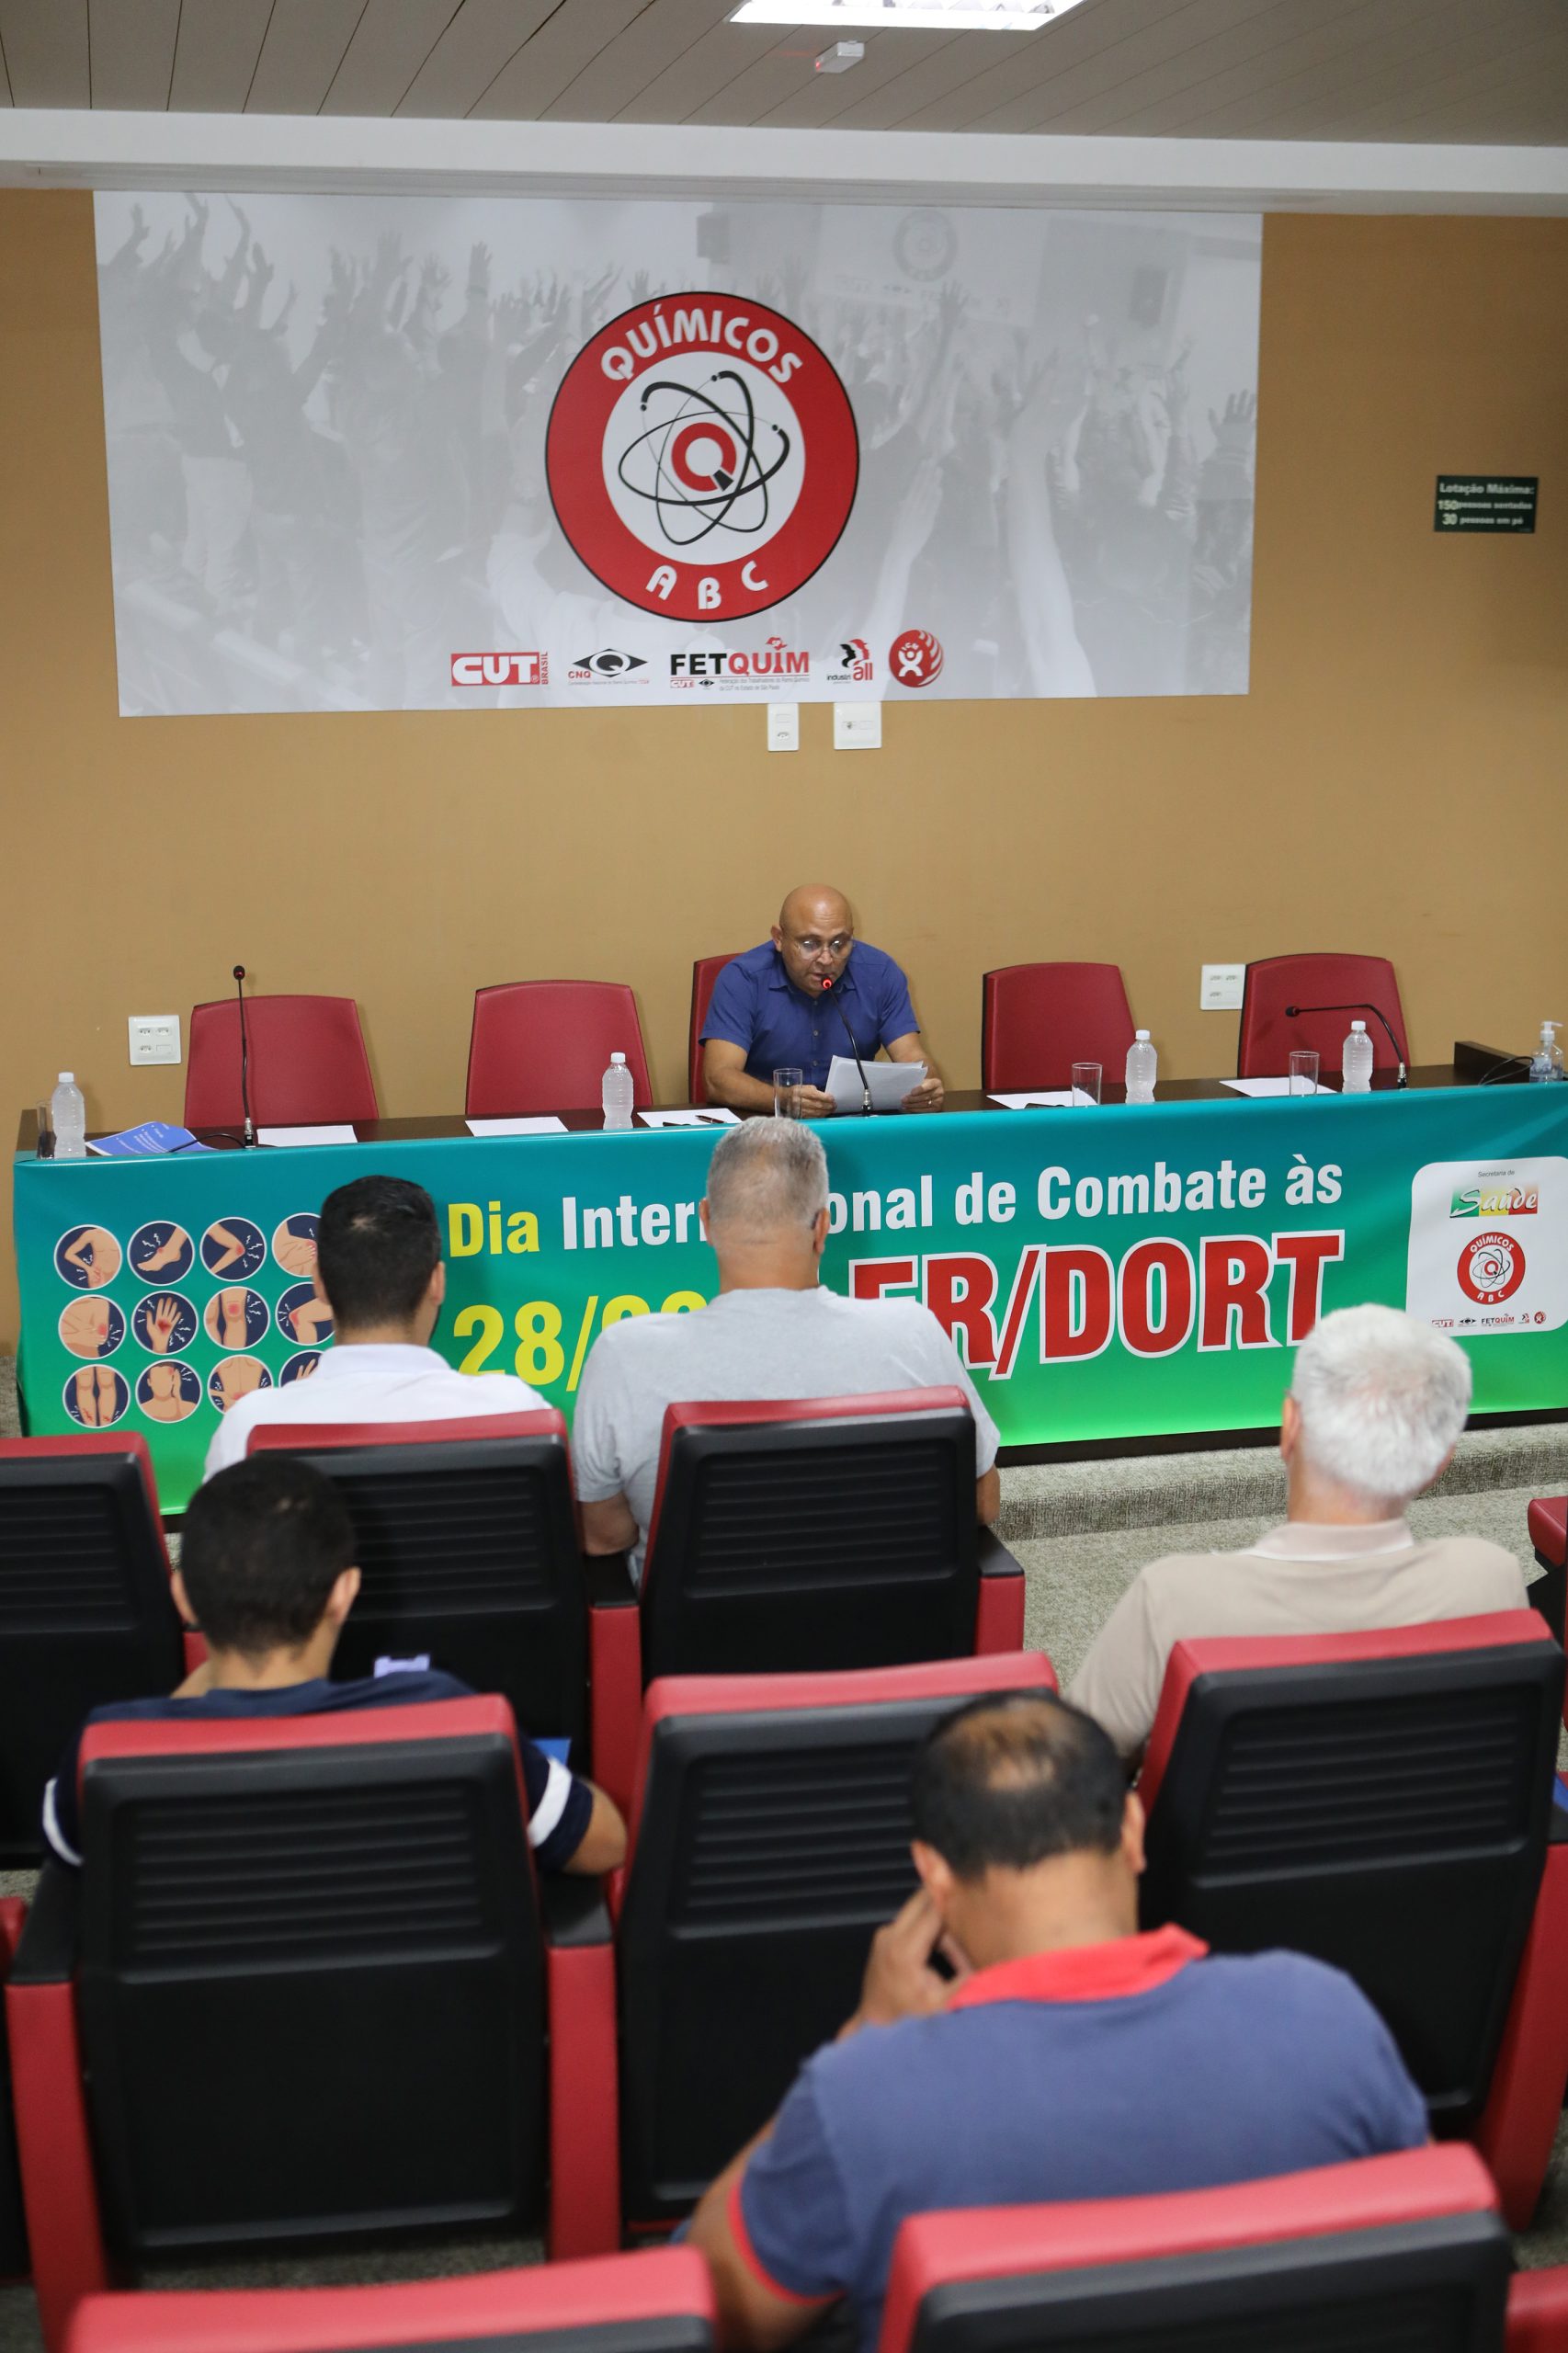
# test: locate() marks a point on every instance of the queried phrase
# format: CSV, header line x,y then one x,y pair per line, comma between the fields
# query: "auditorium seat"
x,y
1037,1021
1384,1802
466,1540
298,1994
802,1534
1266,1038
308,1066
1549,1534
1402,2254
705,971
658,2302
769,1839
545,1046
13,2227
85,1610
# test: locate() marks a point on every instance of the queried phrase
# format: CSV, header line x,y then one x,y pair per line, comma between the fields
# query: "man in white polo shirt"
x,y
1373,1414
378,1269
773,1332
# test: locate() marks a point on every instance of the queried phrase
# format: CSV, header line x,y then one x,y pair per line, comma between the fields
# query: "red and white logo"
x,y
500,670
703,457
1492,1267
915,659
854,664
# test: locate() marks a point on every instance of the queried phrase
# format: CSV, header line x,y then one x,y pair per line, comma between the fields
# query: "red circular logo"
x,y
1492,1267
915,658
703,457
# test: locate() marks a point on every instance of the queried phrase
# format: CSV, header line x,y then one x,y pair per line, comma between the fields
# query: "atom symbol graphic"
x,y
700,465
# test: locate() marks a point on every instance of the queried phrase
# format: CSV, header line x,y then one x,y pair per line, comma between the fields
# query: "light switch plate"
x,y
856,727
1221,991
154,1037
783,726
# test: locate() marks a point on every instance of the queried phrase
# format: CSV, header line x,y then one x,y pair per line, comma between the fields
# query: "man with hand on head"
x,y
267,1571
1073,2057
795,1001
773,1331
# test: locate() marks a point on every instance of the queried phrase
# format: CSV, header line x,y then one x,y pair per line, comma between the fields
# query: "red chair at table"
x,y
705,972
1354,983
545,1046
1037,1021
308,1066
1548,1535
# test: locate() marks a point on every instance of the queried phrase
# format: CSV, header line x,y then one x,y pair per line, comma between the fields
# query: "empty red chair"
x,y
13,2227
1384,1803
659,2302
1352,982
308,1066
705,971
545,1046
1404,2251
1039,1020
1549,1534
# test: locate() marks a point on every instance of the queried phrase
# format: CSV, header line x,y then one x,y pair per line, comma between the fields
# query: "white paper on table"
x,y
543,1124
717,1118
888,1083
287,1136
1268,1086
1053,1098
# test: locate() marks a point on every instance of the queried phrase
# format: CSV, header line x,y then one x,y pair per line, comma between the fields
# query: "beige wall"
x,y
1393,782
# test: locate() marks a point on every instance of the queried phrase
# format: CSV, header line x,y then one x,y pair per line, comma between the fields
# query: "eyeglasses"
x,y
838,947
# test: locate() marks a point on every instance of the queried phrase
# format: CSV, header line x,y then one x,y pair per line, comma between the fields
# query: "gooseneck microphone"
x,y
244,1058
827,989
1357,1005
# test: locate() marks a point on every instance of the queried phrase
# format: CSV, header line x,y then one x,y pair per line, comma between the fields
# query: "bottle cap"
x,y
66,1078
1141,1036
1357,1025
617,1058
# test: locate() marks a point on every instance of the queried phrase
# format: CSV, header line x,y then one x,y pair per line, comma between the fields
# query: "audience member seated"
x,y
772,1332
380,1271
1073,2058
266,1572
1373,1416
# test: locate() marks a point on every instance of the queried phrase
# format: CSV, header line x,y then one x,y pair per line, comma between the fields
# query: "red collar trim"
x,y
1083,1973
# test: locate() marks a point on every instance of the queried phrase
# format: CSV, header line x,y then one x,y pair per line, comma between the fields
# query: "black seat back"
x,y
835,1532
86,1612
310,1990
1380,1802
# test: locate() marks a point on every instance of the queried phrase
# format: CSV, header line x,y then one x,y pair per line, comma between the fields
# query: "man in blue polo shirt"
x,y
1073,2057
799,999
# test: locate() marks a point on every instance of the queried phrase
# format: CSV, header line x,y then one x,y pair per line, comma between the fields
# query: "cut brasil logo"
x,y
701,456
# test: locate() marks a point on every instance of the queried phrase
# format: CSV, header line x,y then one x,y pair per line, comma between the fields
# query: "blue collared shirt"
x,y
757,1006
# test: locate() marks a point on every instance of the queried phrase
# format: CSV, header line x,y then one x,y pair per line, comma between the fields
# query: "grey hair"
x,y
1382,1399
767,1173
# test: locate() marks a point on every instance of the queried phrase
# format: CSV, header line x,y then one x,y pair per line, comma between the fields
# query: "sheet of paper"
x,y
1261,1087
289,1136
716,1118
1052,1099
543,1124
888,1083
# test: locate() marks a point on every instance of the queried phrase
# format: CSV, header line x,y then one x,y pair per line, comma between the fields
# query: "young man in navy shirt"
x,y
266,1572
1071,2058
798,1000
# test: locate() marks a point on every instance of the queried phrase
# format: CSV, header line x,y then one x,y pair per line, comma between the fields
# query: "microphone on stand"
x,y
865,1083
1357,1005
244,1058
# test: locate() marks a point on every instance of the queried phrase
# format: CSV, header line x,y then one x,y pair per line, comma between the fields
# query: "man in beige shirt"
x,y
1372,1416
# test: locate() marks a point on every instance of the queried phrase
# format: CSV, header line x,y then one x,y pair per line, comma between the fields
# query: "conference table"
x,y
1115,1276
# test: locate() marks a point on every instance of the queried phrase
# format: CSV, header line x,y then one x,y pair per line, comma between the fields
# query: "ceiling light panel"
x,y
908,15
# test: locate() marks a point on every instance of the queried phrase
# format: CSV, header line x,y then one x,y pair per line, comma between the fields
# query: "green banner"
x,y
1106,1273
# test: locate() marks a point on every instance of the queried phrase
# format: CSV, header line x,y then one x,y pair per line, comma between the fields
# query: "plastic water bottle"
x,y
1547,1063
616,1092
1141,1064
68,1118
1356,1060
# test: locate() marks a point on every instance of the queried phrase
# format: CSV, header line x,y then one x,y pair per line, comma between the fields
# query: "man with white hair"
x,y
772,1332
1373,1416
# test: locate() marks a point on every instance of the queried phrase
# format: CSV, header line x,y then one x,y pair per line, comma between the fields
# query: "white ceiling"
x,y
1490,71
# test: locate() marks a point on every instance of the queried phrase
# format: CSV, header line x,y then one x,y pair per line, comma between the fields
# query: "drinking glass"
x,y
1304,1071
786,1085
1085,1084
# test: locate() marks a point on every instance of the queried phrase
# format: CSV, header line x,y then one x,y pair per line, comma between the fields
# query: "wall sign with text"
x,y
1486,502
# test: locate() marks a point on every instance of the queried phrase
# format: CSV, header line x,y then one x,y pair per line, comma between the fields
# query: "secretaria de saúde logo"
x,y
703,457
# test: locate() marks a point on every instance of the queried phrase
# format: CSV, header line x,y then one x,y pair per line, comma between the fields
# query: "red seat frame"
x,y
308,1066
1037,1021
1265,1038
705,972
539,1046
1549,1534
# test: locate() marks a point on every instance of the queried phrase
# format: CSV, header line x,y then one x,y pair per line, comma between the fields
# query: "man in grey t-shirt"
x,y
772,1332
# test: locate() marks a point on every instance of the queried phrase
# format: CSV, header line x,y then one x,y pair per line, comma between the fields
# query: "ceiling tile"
x,y
215,54
131,51
46,51
476,45
653,44
565,45
302,49
392,41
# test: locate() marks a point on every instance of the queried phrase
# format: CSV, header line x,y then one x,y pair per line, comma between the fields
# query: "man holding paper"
x,y
808,994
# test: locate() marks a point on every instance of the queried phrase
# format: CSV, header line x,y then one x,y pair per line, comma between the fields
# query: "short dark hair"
x,y
377,1247
264,1543
1013,1781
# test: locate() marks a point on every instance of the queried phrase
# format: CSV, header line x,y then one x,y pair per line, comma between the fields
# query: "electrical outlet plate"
x,y
783,726
154,1038
1220,990
856,727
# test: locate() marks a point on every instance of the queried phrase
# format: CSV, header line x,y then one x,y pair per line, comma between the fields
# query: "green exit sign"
x,y
1486,502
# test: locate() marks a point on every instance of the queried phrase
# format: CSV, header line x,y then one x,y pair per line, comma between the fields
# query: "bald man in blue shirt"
x,y
770,1010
